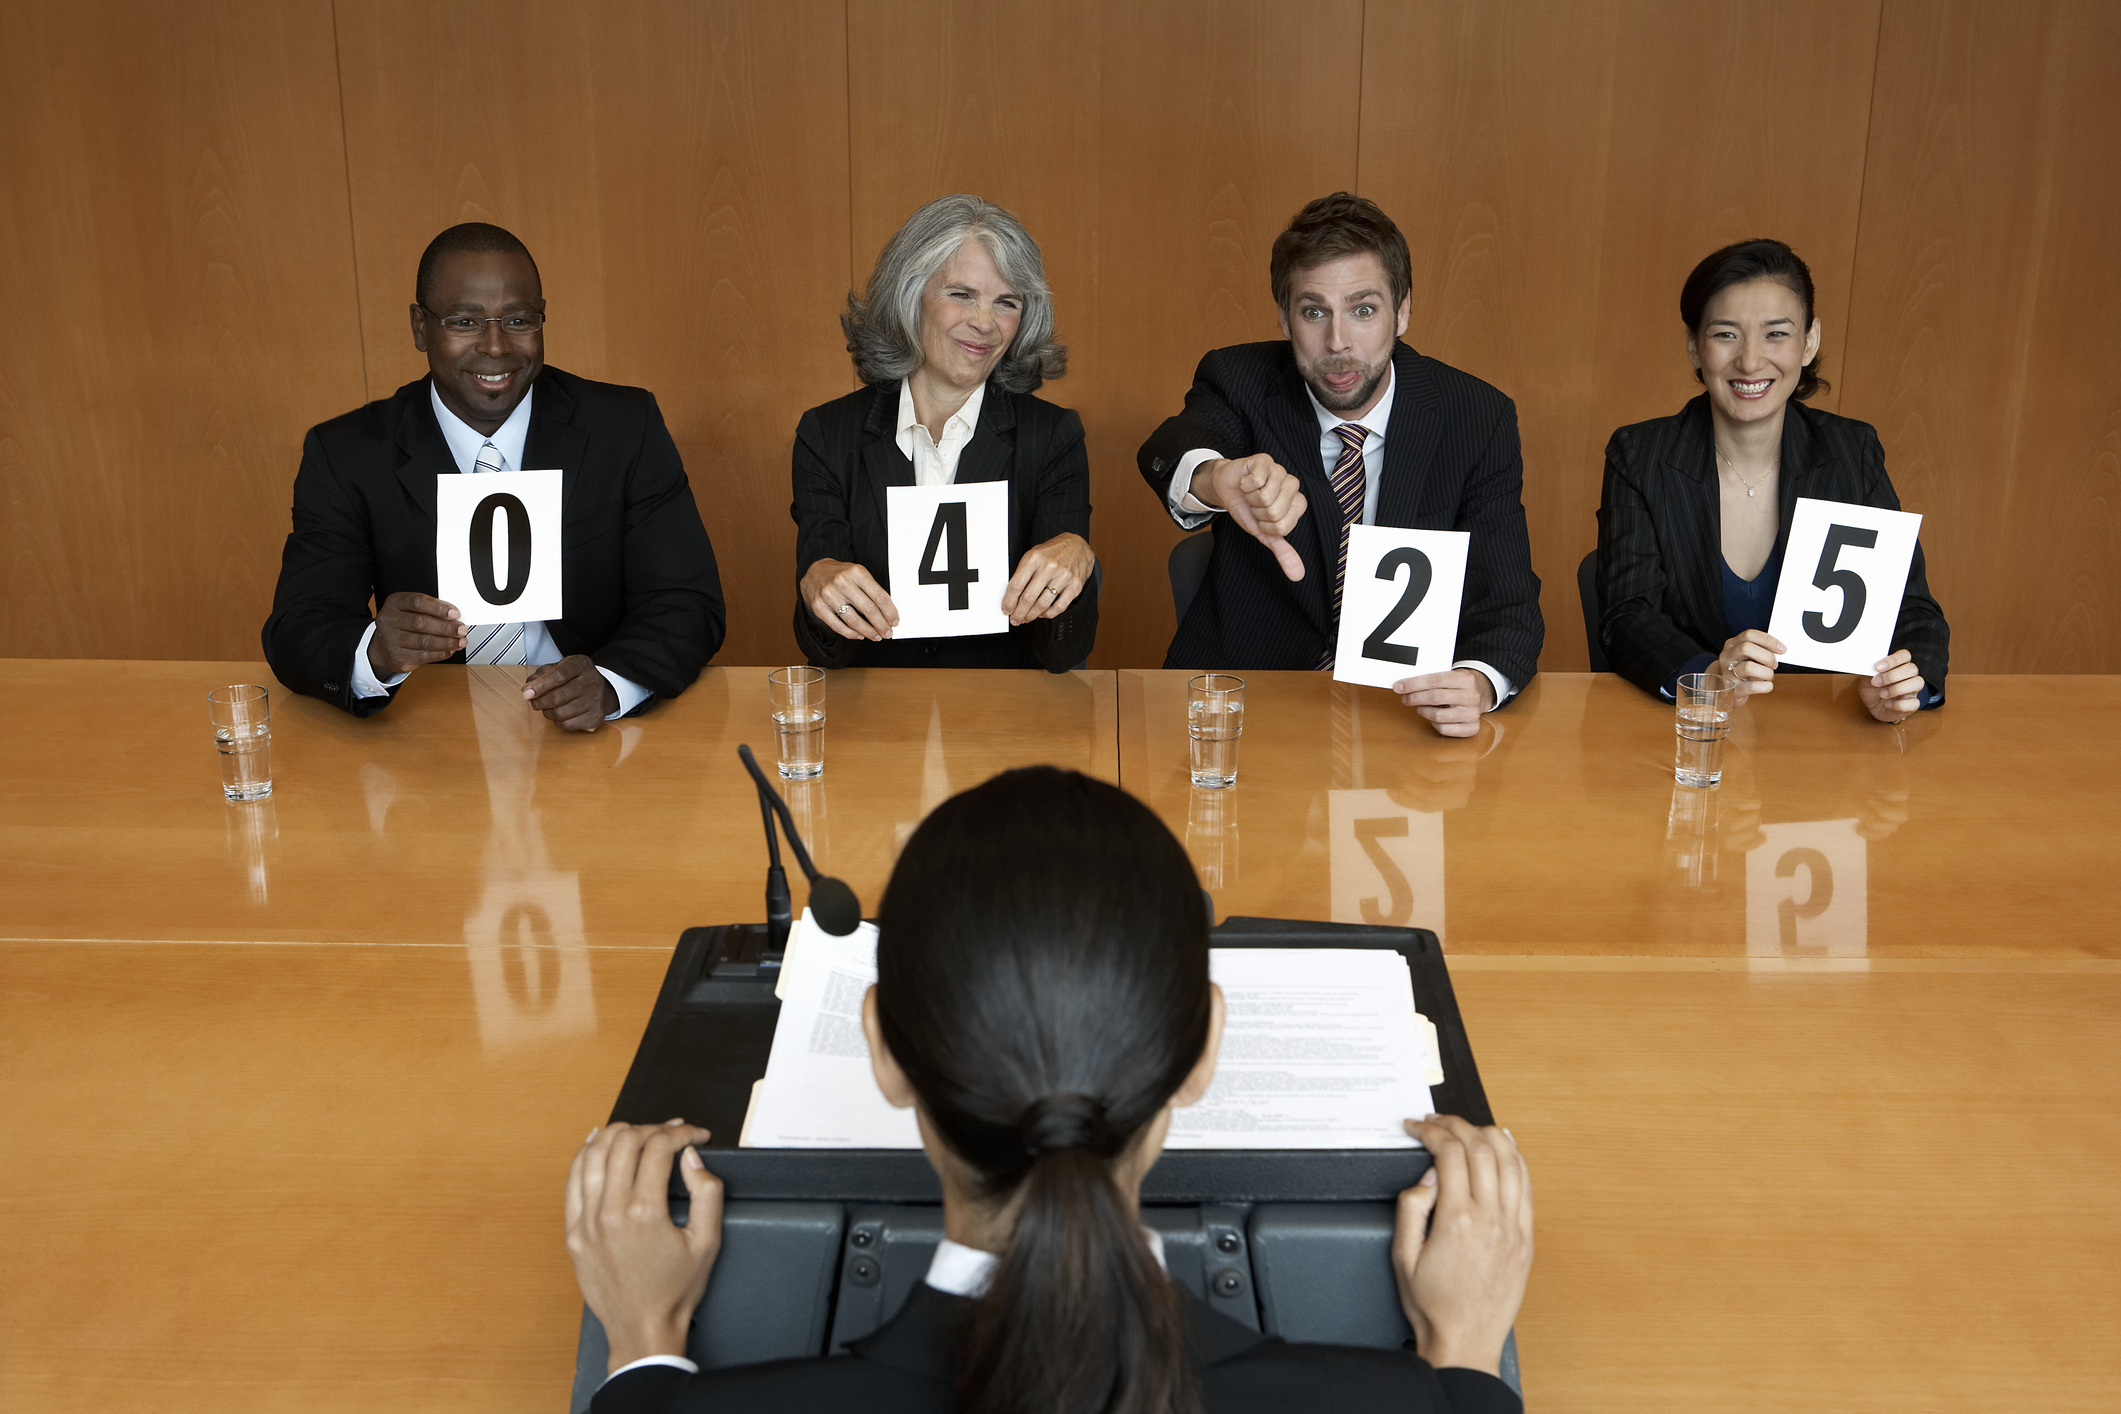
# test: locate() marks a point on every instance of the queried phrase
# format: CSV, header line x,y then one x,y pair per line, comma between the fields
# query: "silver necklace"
x,y
1750,486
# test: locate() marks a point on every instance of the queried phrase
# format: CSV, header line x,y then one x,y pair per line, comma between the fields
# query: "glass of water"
x,y
798,697
1703,719
1215,719
242,716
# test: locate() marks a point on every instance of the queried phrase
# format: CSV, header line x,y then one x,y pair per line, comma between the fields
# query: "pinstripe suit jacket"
x,y
1451,462
1660,536
847,456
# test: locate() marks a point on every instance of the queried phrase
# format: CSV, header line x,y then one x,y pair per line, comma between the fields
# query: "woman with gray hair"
x,y
950,337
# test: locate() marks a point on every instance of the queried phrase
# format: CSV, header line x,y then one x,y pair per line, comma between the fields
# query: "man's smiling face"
x,y
481,377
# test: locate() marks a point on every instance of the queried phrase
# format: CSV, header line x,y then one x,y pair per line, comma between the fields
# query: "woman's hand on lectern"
x,y
1462,1277
640,1272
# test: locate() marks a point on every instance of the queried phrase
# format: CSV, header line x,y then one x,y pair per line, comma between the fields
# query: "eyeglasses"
x,y
466,326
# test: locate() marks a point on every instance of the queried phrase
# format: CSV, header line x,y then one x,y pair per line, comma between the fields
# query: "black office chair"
x,y
1587,590
1189,566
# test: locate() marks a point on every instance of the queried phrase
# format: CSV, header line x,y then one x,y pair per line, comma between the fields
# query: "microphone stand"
x,y
832,904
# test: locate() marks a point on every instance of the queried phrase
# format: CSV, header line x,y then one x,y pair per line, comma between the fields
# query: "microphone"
x,y
832,903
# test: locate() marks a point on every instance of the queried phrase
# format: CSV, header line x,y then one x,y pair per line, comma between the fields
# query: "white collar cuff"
x,y
958,1270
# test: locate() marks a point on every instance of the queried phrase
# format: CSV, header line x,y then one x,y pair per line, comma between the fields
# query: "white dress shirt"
x,y
955,1270
1192,512
464,444
935,463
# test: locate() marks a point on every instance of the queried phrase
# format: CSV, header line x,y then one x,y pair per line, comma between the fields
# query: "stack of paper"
x,y
1321,1049
819,1092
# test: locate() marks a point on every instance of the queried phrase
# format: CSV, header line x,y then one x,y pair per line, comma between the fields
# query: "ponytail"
x,y
1042,980
1079,1316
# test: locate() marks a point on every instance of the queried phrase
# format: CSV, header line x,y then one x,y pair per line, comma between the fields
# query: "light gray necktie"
x,y
493,643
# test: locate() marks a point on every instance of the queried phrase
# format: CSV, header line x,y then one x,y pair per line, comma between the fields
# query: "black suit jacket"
x,y
846,456
1451,462
1660,536
906,1368
642,595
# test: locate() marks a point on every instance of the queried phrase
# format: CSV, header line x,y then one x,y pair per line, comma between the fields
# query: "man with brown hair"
x,y
1343,421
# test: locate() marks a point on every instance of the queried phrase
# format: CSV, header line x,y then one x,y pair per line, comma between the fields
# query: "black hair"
x,y
1334,226
1758,259
471,237
1042,980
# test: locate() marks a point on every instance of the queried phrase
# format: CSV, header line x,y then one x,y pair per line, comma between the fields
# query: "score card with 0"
x,y
1399,603
948,553
497,545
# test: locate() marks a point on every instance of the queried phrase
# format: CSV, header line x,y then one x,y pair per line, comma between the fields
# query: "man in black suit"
x,y
1343,417
642,597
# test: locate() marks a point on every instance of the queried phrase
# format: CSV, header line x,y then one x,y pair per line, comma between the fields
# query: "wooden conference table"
x,y
1819,1073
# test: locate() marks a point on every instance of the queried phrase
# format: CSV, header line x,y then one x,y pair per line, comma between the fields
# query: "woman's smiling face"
x,y
1752,347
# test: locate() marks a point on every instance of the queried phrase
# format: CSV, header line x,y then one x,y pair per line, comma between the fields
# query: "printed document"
x,y
819,1092
1321,1050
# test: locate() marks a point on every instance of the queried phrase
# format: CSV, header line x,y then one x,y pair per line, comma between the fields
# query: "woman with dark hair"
x,y
1697,507
1043,1003
950,338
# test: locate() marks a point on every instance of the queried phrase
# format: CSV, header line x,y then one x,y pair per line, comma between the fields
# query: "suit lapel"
x,y
555,441
992,450
426,454
883,464
1803,455
1411,439
1294,427
1698,559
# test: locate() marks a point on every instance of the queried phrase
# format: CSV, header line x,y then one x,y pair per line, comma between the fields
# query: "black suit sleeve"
x,y
647,1389
673,620
327,576
1498,618
1062,506
1207,420
1641,641
1921,628
823,531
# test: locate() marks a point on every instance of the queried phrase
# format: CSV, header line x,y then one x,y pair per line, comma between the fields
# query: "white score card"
x,y
1843,572
949,558
497,545
1399,604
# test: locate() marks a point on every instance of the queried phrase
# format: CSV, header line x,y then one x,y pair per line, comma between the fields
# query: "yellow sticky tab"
x,y
1434,1060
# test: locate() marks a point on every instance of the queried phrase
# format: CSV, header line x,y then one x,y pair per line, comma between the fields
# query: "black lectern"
x,y
821,1246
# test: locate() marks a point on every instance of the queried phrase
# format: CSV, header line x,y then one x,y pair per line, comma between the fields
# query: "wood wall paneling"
x,y
1559,170
1986,282
679,171
180,306
1154,153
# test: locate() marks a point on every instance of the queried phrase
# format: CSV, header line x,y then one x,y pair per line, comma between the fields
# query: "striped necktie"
x,y
1347,491
493,643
